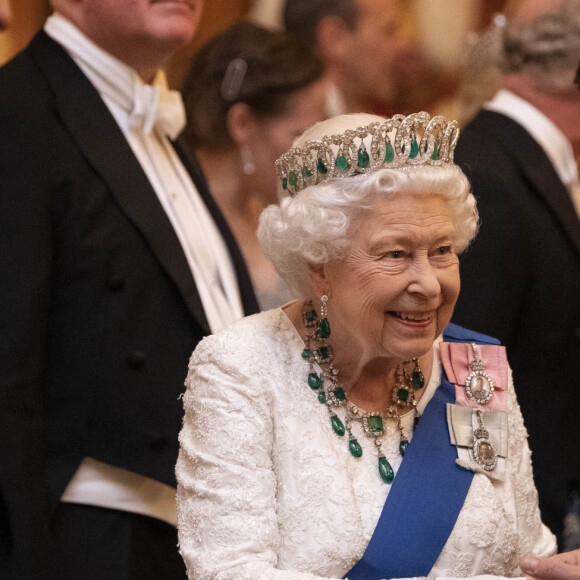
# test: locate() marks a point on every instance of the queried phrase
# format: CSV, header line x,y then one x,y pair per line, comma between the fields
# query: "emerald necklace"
x,y
409,378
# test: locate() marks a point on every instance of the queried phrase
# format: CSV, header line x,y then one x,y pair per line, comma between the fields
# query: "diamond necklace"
x,y
408,375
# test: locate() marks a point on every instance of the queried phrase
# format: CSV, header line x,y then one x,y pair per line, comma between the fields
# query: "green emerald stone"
x,y
385,470
339,394
314,381
363,158
337,425
323,352
414,149
293,179
389,153
322,169
306,353
435,154
321,397
403,446
306,172
324,328
355,448
402,395
284,183
341,163
375,423
418,380
310,315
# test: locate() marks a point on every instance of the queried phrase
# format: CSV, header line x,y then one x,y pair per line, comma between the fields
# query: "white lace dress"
x,y
267,490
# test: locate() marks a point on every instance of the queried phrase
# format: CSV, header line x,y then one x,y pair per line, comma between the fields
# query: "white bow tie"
x,y
159,108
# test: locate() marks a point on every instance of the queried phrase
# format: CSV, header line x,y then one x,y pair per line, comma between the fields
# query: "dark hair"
x,y
301,17
261,68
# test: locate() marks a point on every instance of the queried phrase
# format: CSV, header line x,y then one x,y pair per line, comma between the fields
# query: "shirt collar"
x,y
110,76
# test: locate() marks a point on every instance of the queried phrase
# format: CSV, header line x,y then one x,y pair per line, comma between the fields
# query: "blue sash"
x,y
426,496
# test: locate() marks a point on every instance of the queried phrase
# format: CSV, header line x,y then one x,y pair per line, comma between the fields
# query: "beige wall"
x,y
28,18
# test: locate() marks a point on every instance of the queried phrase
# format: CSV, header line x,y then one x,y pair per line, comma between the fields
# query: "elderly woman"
x,y
355,432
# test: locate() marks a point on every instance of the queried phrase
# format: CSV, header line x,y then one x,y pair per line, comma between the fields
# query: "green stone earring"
x,y
323,325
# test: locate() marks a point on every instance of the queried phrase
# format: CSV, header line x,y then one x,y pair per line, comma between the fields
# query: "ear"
x,y
319,279
332,39
240,122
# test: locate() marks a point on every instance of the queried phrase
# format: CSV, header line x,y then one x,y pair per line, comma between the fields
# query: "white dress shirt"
x,y
149,116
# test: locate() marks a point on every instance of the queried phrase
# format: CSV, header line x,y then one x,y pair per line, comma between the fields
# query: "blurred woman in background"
x,y
248,94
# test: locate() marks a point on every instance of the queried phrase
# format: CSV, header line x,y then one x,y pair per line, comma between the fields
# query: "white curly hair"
x,y
314,226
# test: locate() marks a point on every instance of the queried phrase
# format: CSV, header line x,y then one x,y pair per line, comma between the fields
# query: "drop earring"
x,y
248,165
323,325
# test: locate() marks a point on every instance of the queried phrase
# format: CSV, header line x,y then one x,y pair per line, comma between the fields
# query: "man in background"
x,y
115,263
521,277
357,40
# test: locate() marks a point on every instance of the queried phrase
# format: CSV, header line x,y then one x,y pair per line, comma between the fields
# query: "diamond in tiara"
x,y
396,143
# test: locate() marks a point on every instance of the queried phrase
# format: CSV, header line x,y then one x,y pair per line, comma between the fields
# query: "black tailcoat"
x,y
99,311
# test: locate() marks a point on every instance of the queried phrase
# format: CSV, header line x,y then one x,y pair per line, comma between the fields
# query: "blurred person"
x,y
359,43
5,14
521,278
115,262
249,93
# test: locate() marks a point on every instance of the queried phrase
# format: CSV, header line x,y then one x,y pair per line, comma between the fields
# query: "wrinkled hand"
x,y
564,566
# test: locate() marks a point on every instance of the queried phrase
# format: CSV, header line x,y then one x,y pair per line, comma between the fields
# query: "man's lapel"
x,y
249,302
543,179
105,148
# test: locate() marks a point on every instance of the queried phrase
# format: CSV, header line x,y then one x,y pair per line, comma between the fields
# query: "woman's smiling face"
x,y
395,289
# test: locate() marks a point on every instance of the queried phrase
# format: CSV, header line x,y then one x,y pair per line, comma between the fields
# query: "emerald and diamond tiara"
x,y
399,142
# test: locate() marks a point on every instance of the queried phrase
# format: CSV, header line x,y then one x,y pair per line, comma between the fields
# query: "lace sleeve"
x,y
226,492
536,538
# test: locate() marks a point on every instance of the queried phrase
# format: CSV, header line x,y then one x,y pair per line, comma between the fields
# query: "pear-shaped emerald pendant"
x,y
435,154
306,353
385,470
418,381
324,328
414,149
314,381
293,179
337,425
306,172
403,446
321,397
341,163
389,153
321,168
355,448
362,158
339,394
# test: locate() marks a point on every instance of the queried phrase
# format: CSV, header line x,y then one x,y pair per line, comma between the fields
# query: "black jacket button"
x,y
136,359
